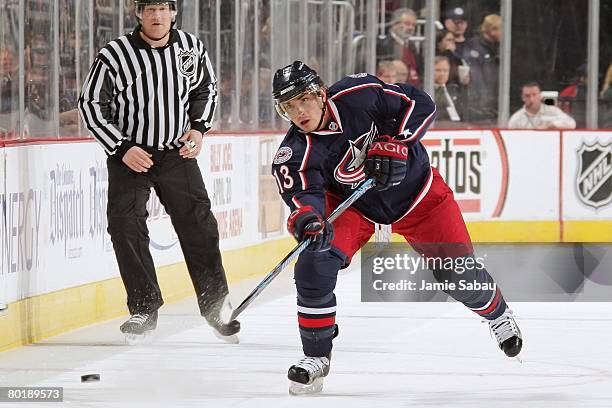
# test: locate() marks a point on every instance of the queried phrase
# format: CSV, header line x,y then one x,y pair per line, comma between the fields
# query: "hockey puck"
x,y
90,377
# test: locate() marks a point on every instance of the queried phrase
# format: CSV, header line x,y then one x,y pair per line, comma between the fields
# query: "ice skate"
x,y
218,319
507,334
139,327
306,377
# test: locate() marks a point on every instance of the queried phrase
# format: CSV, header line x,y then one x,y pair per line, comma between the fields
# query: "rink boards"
x,y
58,269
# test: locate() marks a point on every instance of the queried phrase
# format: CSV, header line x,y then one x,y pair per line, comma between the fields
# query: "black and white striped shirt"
x,y
135,94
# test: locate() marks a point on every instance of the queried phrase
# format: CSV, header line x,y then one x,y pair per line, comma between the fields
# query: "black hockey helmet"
x,y
294,80
148,2
140,4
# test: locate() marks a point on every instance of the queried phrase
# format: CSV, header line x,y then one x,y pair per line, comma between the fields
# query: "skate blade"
x,y
231,339
136,339
296,388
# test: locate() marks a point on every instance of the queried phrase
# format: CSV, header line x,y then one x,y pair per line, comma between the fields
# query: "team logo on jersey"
x,y
350,169
283,155
187,63
594,175
359,75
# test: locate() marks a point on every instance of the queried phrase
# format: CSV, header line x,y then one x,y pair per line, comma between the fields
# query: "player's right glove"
x,y
305,223
387,162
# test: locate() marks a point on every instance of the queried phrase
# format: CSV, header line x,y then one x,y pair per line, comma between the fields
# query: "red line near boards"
x,y
432,142
471,206
466,142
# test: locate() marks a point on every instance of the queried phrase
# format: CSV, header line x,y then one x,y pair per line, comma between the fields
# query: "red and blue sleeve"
x,y
413,109
298,176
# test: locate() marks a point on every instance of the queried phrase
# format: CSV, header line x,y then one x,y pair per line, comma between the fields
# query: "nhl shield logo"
x,y
594,176
187,63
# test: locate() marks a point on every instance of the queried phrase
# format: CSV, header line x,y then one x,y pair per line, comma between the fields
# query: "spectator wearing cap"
x,y
536,115
456,23
482,55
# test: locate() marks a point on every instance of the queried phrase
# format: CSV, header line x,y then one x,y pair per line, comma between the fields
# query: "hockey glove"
x,y
386,162
305,223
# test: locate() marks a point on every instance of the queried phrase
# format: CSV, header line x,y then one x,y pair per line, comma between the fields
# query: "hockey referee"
x,y
148,99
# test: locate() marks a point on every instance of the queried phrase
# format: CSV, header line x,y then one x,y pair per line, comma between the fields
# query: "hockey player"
x,y
359,128
148,99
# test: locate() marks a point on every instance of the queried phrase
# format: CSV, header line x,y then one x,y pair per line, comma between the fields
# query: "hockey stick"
x,y
295,252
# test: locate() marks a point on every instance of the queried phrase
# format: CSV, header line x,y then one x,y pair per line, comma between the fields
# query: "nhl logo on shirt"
x,y
187,63
333,126
594,175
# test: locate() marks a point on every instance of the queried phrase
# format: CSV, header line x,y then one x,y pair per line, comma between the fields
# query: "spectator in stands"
x,y
396,44
536,115
447,96
9,92
606,89
227,98
460,70
456,23
40,105
385,71
8,78
401,71
482,55
572,99
605,102
266,107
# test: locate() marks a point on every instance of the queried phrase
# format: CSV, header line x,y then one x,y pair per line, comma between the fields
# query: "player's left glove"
x,y
305,223
387,162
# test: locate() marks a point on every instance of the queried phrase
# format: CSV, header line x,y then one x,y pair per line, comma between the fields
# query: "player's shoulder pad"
x,y
355,85
291,149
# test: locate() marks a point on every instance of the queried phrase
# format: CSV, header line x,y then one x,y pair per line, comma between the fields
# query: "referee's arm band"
x,y
123,148
200,126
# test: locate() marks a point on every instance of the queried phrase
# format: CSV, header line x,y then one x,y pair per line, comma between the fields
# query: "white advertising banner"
x,y
474,164
533,175
53,232
587,175
229,166
508,175
55,235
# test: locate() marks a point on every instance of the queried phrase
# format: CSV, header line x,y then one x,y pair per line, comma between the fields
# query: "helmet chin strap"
x,y
323,110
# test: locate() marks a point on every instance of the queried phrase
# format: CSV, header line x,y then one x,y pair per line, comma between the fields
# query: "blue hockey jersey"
x,y
362,107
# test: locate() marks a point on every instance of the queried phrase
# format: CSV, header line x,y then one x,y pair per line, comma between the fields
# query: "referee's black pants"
x,y
180,188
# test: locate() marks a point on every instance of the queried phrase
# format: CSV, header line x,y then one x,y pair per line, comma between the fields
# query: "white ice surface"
x,y
387,355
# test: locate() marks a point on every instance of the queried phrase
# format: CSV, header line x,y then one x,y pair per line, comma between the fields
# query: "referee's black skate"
x,y
218,318
139,327
306,377
507,334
